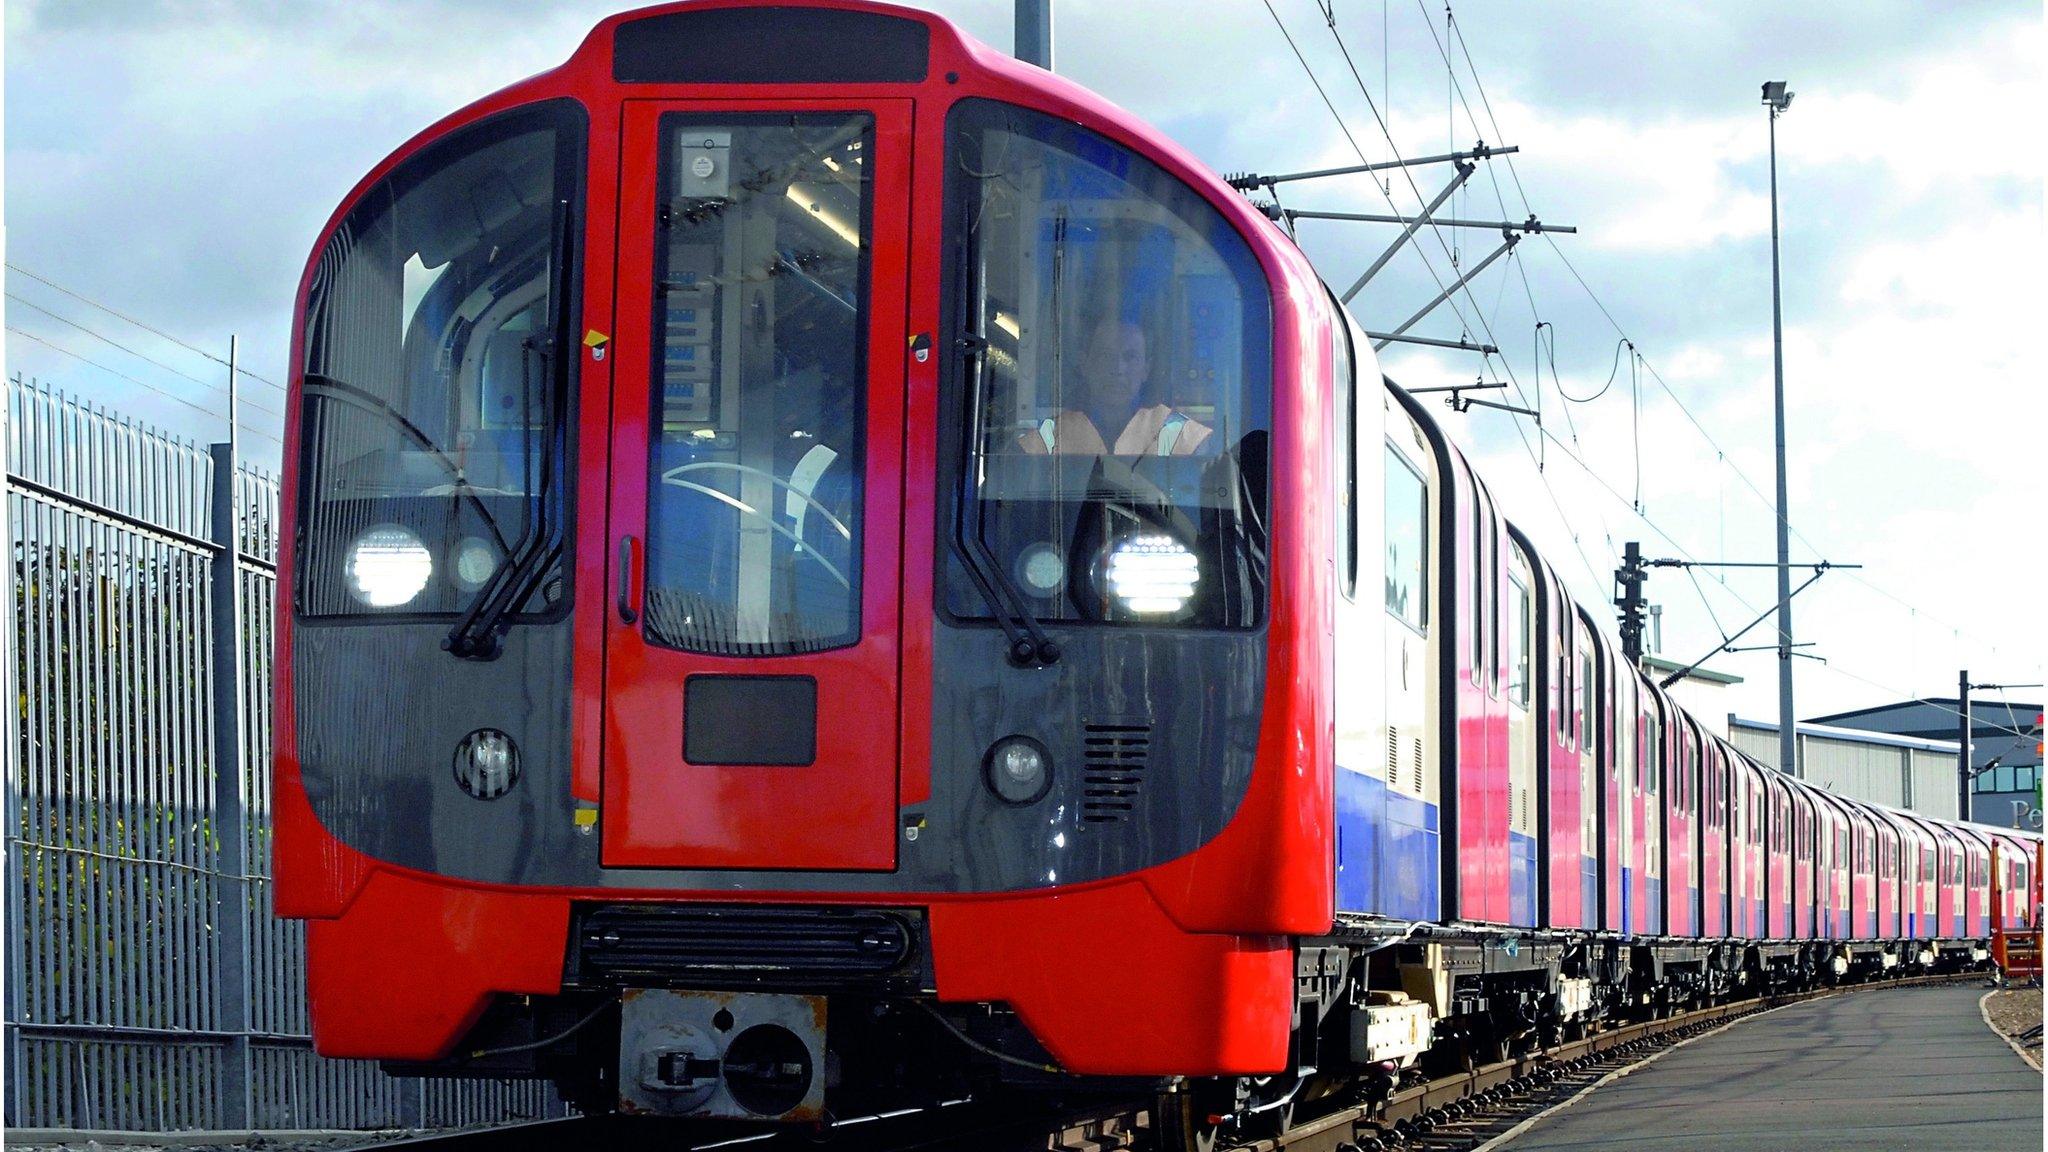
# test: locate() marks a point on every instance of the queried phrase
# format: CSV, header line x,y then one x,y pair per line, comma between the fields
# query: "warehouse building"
x,y
1900,771
2005,750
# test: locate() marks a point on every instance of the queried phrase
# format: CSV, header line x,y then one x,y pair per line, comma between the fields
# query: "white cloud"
x,y
177,159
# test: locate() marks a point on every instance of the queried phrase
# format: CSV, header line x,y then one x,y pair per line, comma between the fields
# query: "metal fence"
x,y
148,985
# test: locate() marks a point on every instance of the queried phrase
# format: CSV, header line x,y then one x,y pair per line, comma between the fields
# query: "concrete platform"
x,y
1884,1068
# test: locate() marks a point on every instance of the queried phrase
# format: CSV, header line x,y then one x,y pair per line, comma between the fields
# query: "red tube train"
x,y
832,568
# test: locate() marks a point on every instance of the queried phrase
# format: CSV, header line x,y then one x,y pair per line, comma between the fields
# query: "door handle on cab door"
x,y
629,578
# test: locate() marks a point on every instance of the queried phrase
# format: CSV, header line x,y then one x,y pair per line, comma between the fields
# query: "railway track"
x,y
1461,1112
1467,1110
983,1126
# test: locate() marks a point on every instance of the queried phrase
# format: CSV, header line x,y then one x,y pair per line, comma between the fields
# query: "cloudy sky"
x,y
172,161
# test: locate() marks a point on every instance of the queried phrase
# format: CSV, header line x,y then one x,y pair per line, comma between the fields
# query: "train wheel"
x,y
1182,1120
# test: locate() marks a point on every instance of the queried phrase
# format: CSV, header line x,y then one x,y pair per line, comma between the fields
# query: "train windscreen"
x,y
1113,425
434,393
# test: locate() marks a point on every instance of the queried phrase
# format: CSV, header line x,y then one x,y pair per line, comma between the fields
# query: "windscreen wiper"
x,y
478,635
327,387
1028,643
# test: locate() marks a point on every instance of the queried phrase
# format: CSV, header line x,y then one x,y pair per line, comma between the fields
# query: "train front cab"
x,y
618,401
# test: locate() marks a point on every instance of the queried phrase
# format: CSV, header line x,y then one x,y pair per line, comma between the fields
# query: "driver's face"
x,y
1117,362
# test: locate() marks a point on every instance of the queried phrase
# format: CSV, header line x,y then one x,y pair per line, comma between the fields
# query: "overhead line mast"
x,y
1779,98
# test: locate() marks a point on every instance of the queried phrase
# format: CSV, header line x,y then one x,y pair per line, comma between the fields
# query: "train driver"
x,y
1115,368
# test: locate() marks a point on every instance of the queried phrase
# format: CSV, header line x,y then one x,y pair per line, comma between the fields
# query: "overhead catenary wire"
x,y
165,393
152,361
1634,506
1722,456
1613,371
1456,31
1639,362
1345,129
146,327
1564,519
1507,368
2000,729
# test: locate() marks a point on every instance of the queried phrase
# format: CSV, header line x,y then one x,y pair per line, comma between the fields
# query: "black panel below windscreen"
x,y
766,720
771,46
380,711
1153,736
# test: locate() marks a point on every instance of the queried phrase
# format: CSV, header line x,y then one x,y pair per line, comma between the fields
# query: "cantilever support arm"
x,y
1465,170
1819,570
1506,245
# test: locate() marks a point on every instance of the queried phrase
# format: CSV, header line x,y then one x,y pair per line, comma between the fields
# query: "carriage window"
x,y
1652,756
1344,391
1583,715
435,391
1114,365
1519,626
1407,541
754,496
1561,691
1476,619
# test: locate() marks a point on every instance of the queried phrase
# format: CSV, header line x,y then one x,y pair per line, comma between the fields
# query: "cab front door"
x,y
751,672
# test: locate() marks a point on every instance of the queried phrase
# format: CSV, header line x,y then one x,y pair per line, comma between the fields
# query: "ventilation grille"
x,y
653,945
1393,755
1415,758
1113,769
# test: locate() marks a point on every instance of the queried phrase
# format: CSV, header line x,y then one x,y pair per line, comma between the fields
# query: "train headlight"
x,y
1152,574
487,763
1019,770
388,566
1042,569
474,563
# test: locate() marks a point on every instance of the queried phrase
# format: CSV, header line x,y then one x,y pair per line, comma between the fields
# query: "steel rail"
x,y
1423,1108
965,1126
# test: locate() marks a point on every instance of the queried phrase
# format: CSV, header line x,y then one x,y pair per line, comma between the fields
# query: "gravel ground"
x,y
2015,1012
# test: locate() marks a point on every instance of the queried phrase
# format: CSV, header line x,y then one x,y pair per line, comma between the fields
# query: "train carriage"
x,y
1749,874
1863,874
1389,785
805,561
1717,843
1567,772
1923,916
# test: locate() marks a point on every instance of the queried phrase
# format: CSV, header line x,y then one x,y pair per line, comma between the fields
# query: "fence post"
x,y
230,809
412,1103
11,759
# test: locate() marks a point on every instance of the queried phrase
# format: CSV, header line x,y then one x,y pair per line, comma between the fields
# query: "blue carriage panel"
x,y
1388,845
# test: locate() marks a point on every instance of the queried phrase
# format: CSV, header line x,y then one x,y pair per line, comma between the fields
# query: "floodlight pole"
x,y
1963,734
1033,44
1778,100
